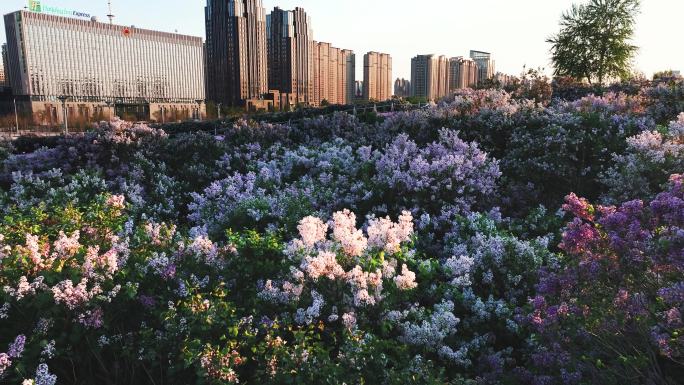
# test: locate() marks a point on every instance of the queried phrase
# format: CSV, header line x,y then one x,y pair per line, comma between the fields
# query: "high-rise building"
x,y
463,73
377,76
402,88
5,68
334,74
485,64
290,53
98,66
236,51
430,76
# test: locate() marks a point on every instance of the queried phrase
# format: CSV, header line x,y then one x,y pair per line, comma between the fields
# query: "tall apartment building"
x,y
430,76
290,53
402,88
334,74
463,73
5,69
377,76
3,79
236,51
100,66
485,64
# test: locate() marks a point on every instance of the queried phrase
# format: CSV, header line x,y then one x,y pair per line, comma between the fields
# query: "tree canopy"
x,y
594,42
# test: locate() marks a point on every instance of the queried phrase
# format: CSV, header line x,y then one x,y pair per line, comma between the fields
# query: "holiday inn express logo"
x,y
36,6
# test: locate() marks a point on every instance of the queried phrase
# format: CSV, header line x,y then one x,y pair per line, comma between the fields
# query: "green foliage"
x,y
594,40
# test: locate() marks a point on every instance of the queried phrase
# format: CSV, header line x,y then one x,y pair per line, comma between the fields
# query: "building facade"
x,y
5,70
485,64
334,74
236,51
377,76
102,68
402,88
430,76
463,73
290,53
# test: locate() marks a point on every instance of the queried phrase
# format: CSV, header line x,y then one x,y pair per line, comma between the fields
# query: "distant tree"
x,y
594,40
325,103
666,75
417,99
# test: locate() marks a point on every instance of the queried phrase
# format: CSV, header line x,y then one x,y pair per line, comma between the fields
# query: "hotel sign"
x,y
36,6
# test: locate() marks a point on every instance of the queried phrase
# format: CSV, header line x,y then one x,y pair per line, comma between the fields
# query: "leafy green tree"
x,y
594,42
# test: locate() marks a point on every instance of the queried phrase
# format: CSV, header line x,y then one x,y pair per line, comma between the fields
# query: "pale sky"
x,y
514,31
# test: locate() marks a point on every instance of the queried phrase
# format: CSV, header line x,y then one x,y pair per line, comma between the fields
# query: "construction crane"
x,y
111,15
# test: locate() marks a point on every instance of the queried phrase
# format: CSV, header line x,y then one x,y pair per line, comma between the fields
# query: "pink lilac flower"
x,y
117,202
359,281
387,235
65,246
580,207
5,362
36,255
389,268
344,231
202,246
323,265
407,279
24,288
312,230
74,296
4,249
95,263
153,230
349,320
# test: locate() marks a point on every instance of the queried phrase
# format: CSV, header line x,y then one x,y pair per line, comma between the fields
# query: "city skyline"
x,y
515,33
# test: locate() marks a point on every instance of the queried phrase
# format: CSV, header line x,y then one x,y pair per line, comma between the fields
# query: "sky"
x,y
514,31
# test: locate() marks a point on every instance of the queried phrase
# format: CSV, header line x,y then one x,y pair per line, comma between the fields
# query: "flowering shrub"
x,y
613,309
651,157
341,249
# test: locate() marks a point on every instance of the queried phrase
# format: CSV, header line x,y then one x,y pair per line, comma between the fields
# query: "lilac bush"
x,y
444,177
651,157
377,248
612,310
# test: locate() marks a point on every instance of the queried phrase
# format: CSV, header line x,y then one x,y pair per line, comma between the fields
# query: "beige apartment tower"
x,y
377,76
334,72
463,73
430,76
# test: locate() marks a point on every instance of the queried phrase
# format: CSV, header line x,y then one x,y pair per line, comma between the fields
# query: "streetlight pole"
x,y
199,109
63,99
16,116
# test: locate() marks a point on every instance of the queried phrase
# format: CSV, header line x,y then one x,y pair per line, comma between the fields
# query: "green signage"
x,y
36,6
